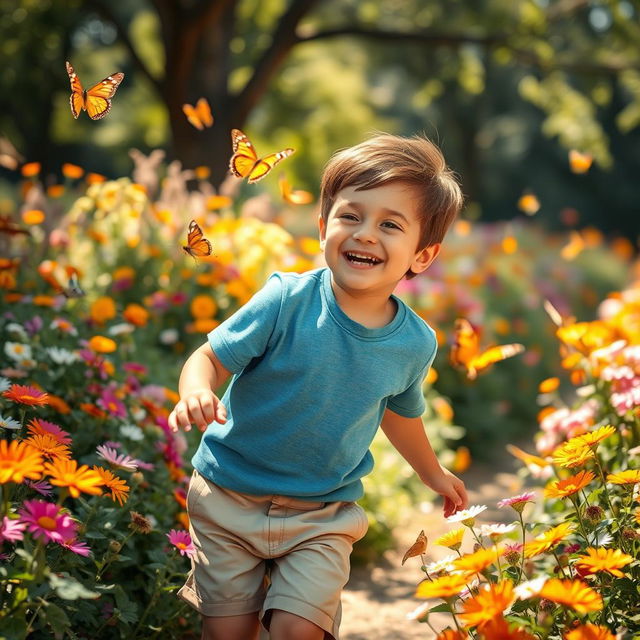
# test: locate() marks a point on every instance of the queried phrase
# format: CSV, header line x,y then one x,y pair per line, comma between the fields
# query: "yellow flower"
x,y
19,460
549,385
595,437
477,561
66,473
629,476
601,559
572,593
49,446
572,454
568,486
489,603
118,487
103,309
548,539
444,587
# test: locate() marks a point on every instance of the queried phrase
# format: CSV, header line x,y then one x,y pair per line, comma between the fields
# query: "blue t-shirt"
x,y
309,389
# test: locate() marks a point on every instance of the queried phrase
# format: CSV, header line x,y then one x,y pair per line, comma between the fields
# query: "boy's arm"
x,y
407,435
201,374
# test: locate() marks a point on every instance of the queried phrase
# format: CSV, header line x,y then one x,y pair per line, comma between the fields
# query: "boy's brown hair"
x,y
388,158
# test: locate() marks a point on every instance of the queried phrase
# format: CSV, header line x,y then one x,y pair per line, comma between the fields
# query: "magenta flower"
x,y
115,459
45,521
135,367
40,486
181,540
80,548
112,404
38,425
518,502
11,530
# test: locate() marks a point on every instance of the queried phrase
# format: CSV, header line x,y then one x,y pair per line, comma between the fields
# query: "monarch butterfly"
x,y
96,101
200,115
245,162
291,196
197,245
466,353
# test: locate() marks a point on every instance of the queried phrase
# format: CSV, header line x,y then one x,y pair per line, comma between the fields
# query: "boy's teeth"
x,y
362,258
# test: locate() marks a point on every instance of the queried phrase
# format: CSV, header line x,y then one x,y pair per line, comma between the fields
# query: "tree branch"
x,y
283,39
123,35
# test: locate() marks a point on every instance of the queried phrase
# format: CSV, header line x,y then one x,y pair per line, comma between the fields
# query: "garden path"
x,y
378,598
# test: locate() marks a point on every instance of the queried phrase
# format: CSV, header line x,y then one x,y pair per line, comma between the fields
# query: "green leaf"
x,y
56,618
69,588
441,608
15,628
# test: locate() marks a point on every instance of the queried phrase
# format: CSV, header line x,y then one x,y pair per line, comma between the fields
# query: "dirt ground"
x,y
378,598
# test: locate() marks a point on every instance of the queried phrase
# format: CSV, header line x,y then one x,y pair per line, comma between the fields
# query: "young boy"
x,y
319,361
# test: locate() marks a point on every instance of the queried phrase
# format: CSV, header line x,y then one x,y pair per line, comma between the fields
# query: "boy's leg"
x,y
288,626
244,627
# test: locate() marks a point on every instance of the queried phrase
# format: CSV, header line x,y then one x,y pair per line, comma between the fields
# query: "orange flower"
x,y
136,314
589,632
548,539
477,561
118,487
30,169
26,395
59,404
203,307
102,344
49,446
527,458
452,634
72,170
498,629
568,486
601,559
18,461
572,593
444,587
92,410
629,476
33,216
451,539
94,178
103,309
489,603
549,385
66,473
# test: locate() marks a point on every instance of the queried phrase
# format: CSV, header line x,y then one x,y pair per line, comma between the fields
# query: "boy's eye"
x,y
390,224
348,216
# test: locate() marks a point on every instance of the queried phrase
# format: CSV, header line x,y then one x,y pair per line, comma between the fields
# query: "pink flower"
x,y
120,461
80,548
135,367
11,530
181,540
38,424
47,522
112,404
518,502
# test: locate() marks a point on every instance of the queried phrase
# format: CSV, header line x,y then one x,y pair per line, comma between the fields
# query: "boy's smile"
x,y
371,238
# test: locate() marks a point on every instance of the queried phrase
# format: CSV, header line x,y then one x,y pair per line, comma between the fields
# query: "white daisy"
x,y
27,363
18,330
444,564
530,588
168,336
9,423
132,432
138,414
5,383
121,329
467,515
62,356
17,351
496,529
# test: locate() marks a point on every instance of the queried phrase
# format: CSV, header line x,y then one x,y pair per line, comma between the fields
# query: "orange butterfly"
x,y
466,353
200,115
245,162
197,245
96,101
417,548
291,196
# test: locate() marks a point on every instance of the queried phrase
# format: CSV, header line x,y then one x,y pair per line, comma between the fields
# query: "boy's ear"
x,y
322,228
425,257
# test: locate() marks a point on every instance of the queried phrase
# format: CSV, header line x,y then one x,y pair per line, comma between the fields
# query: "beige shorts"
x,y
259,553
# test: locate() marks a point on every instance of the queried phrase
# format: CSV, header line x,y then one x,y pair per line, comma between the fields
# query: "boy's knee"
x,y
288,626
242,627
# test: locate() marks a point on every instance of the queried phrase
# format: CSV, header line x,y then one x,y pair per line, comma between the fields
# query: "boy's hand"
x,y
200,407
452,489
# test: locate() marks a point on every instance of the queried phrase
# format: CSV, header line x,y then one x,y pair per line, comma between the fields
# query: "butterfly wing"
x,y
264,165
466,344
493,355
98,97
197,245
291,196
192,116
244,156
76,99
204,112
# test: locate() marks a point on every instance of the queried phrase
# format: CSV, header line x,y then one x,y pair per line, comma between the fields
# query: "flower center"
x,y
47,523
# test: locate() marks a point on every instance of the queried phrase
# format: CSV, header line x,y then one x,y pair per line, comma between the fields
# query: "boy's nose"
x,y
364,234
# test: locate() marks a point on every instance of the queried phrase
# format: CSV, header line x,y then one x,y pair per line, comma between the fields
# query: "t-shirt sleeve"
x,y
410,403
245,334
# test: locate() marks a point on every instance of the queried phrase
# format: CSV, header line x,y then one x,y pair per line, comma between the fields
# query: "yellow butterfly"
x,y
465,352
96,101
245,162
291,196
197,245
200,115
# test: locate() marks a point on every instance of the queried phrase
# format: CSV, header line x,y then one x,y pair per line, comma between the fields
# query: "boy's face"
x,y
370,238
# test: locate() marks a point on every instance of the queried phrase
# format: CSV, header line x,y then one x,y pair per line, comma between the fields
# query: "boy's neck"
x,y
371,311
